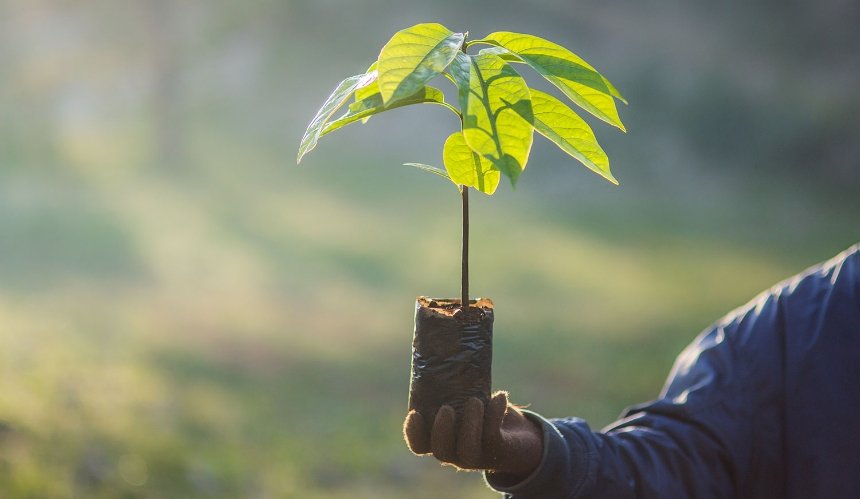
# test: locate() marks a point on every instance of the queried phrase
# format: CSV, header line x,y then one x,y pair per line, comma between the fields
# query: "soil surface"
x,y
451,307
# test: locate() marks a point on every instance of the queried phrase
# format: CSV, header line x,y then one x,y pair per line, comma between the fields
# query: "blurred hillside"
x,y
186,313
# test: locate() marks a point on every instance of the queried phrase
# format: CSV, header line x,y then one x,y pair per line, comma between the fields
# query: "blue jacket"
x,y
765,404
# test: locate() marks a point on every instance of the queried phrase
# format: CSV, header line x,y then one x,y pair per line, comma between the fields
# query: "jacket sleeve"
x,y
697,440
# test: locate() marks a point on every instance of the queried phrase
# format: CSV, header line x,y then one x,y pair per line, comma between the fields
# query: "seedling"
x,y
497,110
498,115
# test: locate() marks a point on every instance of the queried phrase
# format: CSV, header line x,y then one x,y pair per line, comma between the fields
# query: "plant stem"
x,y
464,288
464,193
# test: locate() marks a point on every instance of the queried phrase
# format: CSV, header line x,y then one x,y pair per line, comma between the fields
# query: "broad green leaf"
x,y
413,56
557,122
466,167
497,111
373,105
566,70
432,169
337,99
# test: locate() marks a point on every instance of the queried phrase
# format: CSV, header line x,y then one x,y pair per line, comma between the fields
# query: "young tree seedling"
x,y
497,111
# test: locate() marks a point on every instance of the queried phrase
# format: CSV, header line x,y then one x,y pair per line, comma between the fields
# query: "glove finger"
x,y
442,438
415,433
494,414
469,435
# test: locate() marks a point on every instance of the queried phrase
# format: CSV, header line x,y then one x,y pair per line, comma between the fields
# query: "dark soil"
x,y
452,308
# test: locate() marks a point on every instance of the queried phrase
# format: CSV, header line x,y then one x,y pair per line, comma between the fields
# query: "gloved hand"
x,y
496,438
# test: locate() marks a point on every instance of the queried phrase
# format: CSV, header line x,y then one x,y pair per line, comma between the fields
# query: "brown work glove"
x,y
498,438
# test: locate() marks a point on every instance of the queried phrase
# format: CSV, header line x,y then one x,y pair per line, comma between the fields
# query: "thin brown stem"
x,y
464,288
464,282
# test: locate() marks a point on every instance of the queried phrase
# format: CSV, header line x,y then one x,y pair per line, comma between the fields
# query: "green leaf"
x,y
566,70
497,111
432,169
337,99
466,167
413,56
557,122
373,105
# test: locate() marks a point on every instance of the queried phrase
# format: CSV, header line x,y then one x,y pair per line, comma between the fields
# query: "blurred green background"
x,y
186,313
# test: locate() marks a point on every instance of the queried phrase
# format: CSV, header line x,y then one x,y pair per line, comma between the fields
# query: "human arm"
x,y
760,405
716,430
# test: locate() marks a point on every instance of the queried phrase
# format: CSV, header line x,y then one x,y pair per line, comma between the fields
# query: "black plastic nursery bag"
x,y
452,355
